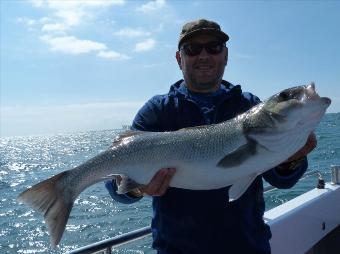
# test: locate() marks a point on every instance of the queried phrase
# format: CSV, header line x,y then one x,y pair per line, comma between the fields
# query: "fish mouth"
x,y
312,95
304,106
326,101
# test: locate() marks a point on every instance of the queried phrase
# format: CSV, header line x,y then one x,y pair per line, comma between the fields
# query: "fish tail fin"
x,y
49,198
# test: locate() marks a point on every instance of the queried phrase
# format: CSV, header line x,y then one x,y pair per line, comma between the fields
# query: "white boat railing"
x,y
306,175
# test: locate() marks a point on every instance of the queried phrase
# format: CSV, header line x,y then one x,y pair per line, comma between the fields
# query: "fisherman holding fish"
x,y
202,152
203,221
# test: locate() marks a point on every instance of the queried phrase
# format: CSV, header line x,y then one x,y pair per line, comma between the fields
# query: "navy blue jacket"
x,y
190,221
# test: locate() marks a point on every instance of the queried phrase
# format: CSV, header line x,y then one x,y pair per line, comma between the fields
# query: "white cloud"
x,y
62,16
130,32
145,45
57,4
37,3
28,22
67,14
35,23
54,27
67,4
152,6
72,45
113,55
71,17
64,20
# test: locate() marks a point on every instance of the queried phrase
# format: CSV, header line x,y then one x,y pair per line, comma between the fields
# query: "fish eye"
x,y
284,95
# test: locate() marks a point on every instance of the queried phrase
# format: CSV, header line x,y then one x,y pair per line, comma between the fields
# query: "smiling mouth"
x,y
203,67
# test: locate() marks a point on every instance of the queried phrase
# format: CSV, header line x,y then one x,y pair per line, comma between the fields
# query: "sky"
x,y
70,66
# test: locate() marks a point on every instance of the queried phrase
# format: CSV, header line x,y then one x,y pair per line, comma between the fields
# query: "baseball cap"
x,y
201,26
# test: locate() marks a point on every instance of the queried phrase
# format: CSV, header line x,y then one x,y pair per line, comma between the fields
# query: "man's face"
x,y
202,72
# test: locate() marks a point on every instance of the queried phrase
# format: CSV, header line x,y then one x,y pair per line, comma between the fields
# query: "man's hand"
x,y
294,160
309,146
159,183
156,187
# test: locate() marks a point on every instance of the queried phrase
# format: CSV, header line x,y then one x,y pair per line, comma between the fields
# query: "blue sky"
x,y
90,65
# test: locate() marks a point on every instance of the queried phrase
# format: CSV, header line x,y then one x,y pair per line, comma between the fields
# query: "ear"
x,y
226,56
179,59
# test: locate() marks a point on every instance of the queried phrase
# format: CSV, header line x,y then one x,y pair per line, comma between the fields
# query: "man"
x,y
190,221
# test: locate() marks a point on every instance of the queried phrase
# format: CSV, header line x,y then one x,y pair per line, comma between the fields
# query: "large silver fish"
x,y
232,153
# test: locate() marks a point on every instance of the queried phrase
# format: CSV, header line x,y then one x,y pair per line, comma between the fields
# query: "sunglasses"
x,y
194,48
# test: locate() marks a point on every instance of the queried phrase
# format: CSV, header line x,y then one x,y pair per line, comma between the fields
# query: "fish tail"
x,y
51,199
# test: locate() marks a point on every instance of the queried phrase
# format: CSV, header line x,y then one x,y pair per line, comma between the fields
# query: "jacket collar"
x,y
178,90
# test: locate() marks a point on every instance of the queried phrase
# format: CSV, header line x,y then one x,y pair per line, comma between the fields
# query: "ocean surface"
x,y
27,160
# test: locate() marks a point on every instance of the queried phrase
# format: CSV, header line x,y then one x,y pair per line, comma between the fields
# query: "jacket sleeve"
x,y
145,120
126,198
272,176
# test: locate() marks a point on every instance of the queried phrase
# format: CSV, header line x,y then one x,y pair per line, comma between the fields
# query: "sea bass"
x,y
232,153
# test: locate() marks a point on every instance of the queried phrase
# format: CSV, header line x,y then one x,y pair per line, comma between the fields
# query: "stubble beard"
x,y
211,84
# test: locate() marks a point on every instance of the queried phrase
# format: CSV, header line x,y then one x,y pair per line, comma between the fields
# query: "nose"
x,y
204,54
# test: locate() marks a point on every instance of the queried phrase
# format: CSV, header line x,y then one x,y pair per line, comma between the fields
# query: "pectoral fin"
x,y
127,184
240,187
238,156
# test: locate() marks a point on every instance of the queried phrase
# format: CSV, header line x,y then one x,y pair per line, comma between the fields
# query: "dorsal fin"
x,y
126,134
129,133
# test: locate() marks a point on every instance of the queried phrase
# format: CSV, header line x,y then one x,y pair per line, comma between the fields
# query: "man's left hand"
x,y
288,165
309,146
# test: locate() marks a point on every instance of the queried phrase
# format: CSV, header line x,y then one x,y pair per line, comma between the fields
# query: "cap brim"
x,y
217,33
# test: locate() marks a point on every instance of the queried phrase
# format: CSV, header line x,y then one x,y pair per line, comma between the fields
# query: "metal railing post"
x,y
335,174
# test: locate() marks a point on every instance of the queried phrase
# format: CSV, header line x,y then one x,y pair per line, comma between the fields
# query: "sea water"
x,y
24,161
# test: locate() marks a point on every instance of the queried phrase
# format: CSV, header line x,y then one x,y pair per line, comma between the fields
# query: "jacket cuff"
x,y
288,168
111,186
289,180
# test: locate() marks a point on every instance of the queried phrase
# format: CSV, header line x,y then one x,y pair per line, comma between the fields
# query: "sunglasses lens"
x,y
214,47
194,49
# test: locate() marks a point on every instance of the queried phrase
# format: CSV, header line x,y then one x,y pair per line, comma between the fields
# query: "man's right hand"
x,y
159,182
